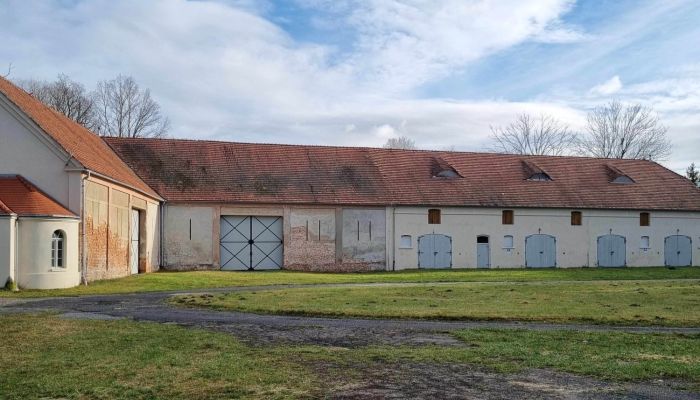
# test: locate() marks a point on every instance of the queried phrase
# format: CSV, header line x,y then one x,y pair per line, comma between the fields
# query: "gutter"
x,y
112,180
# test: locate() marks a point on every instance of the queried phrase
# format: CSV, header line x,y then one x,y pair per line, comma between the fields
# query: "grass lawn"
x,y
43,356
163,281
48,357
672,303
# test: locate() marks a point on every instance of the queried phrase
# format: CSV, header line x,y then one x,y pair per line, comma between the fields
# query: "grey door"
x,y
251,243
483,256
134,242
434,251
540,251
678,251
612,251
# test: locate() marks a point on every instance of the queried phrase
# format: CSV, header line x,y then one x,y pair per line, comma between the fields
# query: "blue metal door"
x,y
678,251
434,251
612,251
251,243
540,251
483,256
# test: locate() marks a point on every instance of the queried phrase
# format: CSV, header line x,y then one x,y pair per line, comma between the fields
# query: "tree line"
x,y
614,130
116,107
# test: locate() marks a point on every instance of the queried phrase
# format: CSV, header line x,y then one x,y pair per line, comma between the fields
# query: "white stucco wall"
x,y
576,245
7,248
34,255
23,153
188,245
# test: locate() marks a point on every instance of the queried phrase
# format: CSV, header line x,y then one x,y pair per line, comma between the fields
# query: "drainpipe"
x,y
393,238
16,260
161,239
83,266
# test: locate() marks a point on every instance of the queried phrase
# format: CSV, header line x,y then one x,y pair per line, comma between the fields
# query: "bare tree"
x,y
625,131
9,70
542,135
125,110
693,174
65,96
401,142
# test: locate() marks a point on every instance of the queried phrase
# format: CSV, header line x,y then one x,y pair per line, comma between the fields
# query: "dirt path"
x,y
382,380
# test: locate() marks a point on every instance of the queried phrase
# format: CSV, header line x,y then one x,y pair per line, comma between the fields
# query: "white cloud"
x,y
611,86
222,69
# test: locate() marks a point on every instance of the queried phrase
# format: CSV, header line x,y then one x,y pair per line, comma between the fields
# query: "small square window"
x,y
507,242
576,218
507,217
405,242
644,244
644,219
433,216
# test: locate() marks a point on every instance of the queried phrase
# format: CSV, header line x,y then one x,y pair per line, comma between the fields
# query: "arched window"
x,y
57,249
508,242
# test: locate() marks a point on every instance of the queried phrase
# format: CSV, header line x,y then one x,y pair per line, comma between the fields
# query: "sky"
x,y
355,73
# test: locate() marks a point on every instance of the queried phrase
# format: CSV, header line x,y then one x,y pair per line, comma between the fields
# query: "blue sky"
x,y
358,72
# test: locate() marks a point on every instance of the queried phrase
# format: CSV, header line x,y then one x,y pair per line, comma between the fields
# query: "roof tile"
x,y
21,197
210,171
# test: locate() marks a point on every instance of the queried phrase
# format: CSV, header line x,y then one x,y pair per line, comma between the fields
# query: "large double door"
x,y
678,251
434,251
612,251
540,251
251,243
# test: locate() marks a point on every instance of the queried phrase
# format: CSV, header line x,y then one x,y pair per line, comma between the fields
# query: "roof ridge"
x,y
436,151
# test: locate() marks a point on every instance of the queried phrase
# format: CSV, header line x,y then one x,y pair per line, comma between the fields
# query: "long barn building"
x,y
76,207
256,206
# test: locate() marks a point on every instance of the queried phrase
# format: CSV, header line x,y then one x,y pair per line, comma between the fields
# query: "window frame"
x,y
576,218
401,242
507,238
434,216
644,219
642,244
58,250
507,217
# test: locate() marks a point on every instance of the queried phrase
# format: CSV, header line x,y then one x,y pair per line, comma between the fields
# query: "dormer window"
x,y
616,175
448,173
534,172
440,168
539,177
624,179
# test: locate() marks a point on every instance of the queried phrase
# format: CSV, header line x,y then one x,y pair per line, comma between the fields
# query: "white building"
x,y
129,206
115,229
253,206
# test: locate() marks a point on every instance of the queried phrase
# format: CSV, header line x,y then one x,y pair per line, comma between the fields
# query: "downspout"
x,y
161,239
83,266
393,238
16,266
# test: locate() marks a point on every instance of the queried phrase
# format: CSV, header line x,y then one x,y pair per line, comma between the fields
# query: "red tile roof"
x,y
209,171
83,145
21,197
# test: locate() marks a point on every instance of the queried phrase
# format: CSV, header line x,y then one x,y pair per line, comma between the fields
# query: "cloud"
x,y
611,86
227,69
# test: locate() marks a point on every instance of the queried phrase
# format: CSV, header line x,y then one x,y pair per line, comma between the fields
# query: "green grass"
x,y
163,281
672,303
614,356
48,357
43,356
